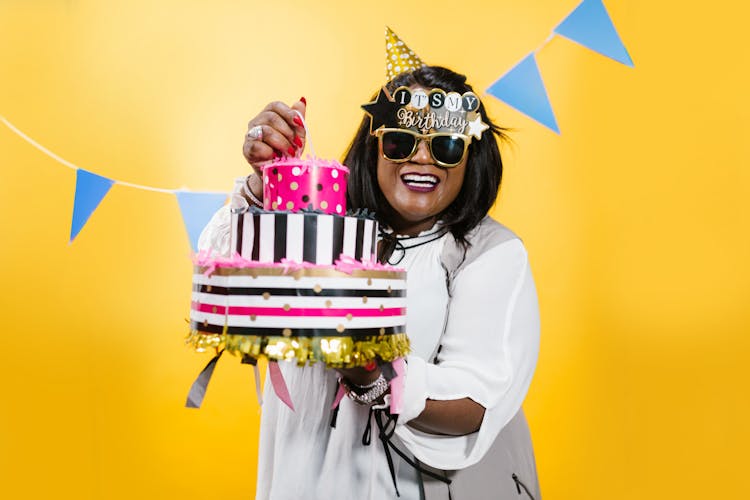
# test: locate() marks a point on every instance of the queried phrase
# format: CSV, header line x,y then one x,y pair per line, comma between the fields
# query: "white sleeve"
x,y
489,352
215,237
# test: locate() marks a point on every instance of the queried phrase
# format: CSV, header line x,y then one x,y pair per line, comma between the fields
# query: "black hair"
x,y
484,167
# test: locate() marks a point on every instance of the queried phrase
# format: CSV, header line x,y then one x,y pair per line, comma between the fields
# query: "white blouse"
x,y
489,332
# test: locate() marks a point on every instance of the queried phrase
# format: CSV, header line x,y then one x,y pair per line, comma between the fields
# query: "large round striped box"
x,y
301,285
342,316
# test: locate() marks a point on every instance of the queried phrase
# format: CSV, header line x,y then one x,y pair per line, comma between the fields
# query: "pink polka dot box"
x,y
294,184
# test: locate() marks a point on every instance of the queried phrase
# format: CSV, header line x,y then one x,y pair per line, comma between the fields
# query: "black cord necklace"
x,y
390,243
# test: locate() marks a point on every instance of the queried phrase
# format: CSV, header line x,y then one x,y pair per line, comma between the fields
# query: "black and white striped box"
x,y
303,237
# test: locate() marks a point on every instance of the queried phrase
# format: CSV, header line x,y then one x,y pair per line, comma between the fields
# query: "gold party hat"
x,y
398,57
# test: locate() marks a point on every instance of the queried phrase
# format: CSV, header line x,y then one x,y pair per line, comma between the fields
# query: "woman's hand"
x,y
449,417
280,133
359,376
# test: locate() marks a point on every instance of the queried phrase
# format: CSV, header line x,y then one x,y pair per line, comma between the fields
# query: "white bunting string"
x,y
308,139
544,43
73,166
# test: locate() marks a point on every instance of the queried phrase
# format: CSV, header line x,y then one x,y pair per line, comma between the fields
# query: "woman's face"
x,y
418,190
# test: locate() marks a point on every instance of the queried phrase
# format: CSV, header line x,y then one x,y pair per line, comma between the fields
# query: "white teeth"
x,y
421,179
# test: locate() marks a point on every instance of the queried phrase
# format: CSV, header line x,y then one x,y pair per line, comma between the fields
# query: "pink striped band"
x,y
297,311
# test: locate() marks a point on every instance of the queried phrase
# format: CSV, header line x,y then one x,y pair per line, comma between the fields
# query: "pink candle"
x,y
292,184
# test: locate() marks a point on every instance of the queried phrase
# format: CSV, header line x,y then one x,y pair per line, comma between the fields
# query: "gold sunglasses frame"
x,y
419,138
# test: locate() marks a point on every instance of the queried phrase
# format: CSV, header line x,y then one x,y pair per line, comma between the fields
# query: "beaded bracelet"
x,y
372,391
249,193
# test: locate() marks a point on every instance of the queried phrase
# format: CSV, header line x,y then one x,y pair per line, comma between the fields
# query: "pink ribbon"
x,y
279,386
397,385
340,393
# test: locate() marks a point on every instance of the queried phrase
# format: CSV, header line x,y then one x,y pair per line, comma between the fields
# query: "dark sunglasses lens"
x,y
448,149
397,145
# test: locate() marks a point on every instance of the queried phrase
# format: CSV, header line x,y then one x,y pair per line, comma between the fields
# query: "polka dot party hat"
x,y
399,58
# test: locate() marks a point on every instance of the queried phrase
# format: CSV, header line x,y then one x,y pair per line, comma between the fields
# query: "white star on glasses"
x,y
477,126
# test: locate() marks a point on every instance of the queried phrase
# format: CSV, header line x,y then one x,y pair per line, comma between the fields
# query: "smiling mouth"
x,y
420,182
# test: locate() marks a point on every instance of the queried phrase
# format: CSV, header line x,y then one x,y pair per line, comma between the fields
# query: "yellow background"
x,y
636,219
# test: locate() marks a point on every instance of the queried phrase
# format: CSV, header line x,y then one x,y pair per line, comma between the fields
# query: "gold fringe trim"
x,y
335,352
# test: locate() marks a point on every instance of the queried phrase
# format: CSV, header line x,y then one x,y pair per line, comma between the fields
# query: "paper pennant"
x,y
90,190
522,88
590,25
197,209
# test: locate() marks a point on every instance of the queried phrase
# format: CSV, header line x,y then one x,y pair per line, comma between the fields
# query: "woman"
x,y
472,321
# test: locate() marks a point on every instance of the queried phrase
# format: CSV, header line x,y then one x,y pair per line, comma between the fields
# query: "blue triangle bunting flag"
x,y
590,25
197,209
522,88
90,191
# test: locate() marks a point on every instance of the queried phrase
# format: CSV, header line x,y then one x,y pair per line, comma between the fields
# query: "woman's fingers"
x,y
287,121
301,108
256,152
276,131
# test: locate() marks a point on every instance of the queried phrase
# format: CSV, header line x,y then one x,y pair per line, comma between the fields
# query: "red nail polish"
x,y
298,121
290,151
298,141
303,100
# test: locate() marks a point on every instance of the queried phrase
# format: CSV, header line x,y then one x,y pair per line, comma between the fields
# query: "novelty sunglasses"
x,y
400,145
